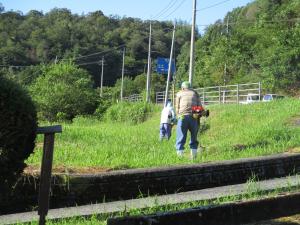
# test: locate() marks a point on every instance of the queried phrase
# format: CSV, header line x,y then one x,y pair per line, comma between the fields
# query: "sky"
x,y
143,9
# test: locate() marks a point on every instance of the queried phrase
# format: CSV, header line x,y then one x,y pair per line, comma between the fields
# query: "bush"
x,y
18,125
128,88
104,102
63,92
132,113
103,105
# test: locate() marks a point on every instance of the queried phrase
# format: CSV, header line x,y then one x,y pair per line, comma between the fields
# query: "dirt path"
x,y
35,170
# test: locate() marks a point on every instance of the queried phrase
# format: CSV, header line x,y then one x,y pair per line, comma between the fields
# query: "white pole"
x,y
170,66
148,87
225,66
192,50
122,81
101,82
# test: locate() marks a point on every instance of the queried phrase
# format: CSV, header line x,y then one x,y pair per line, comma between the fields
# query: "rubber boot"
x,y
193,154
179,153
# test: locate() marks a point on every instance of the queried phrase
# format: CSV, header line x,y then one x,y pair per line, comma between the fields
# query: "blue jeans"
x,y
165,131
184,124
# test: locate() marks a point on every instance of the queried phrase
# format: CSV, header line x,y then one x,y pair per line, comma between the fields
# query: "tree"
x,y
37,38
63,92
253,50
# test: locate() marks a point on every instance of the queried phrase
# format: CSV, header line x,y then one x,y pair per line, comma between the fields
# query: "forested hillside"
x,y
38,37
260,43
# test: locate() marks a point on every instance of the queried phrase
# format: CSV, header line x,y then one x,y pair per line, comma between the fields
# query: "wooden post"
x,y
46,169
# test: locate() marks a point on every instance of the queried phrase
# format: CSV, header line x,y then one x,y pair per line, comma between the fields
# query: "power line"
x,y
16,66
89,63
250,22
180,4
214,5
164,10
98,53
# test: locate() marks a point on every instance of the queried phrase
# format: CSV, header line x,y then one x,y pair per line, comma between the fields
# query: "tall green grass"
x,y
248,130
231,132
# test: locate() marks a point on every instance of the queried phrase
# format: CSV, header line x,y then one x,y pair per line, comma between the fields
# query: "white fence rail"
x,y
221,94
160,97
133,98
236,93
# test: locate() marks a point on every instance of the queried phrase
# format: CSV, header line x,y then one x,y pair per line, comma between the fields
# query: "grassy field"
x,y
231,132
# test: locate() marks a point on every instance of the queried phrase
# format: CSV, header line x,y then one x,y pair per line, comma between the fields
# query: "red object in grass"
x,y
197,109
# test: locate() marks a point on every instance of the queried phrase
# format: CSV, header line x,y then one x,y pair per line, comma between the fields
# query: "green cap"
x,y
186,85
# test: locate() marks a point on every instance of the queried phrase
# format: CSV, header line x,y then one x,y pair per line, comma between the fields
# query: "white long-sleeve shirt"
x,y
167,114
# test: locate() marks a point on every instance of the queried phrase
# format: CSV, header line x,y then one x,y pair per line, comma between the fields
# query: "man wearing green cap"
x,y
185,100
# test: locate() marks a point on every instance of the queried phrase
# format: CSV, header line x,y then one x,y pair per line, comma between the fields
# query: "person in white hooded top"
x,y
167,117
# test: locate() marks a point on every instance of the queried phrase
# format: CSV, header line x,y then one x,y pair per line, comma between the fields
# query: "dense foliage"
x,y
18,125
63,91
262,44
132,113
37,38
138,85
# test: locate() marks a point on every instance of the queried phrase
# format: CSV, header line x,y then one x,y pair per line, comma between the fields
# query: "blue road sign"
x,y
162,66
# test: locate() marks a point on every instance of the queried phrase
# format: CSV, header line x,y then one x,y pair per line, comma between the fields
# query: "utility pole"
x,y
148,88
174,76
225,66
101,81
170,66
192,50
122,81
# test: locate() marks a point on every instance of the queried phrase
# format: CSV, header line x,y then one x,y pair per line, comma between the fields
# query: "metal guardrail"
x,y
236,93
160,97
134,98
222,94
229,93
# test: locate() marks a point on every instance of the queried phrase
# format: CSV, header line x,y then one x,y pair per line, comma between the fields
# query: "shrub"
x,y
103,105
63,92
132,113
128,88
18,125
104,102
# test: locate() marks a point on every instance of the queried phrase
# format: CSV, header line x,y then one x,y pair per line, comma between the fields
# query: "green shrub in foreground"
x,y
132,113
18,125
